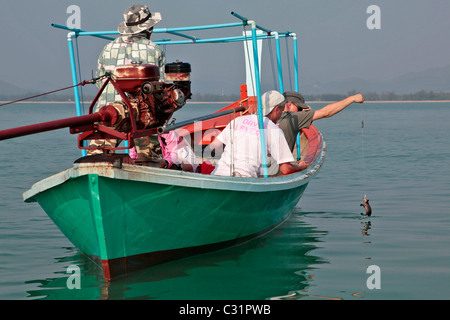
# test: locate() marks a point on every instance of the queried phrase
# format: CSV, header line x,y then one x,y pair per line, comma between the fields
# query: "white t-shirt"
x,y
242,143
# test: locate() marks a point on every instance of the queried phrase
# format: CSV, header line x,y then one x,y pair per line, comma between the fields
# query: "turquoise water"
x,y
400,161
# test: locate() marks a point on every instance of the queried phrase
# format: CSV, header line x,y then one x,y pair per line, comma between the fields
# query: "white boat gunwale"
x,y
179,178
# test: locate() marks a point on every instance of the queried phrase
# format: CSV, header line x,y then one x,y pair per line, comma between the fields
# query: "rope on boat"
x,y
82,83
288,62
275,84
232,169
45,93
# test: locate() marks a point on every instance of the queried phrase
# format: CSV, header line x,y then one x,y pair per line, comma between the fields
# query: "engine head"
x,y
130,78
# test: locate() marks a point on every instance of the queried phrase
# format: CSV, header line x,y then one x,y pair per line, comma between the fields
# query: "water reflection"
x,y
340,245
366,228
269,266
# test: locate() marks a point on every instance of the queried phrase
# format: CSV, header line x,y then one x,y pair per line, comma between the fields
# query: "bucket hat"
x,y
138,18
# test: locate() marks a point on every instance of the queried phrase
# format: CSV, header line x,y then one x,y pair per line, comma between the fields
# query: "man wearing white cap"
x,y
242,153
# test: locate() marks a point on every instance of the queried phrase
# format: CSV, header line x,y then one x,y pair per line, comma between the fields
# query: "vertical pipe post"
x,y
294,48
295,43
73,67
298,147
259,104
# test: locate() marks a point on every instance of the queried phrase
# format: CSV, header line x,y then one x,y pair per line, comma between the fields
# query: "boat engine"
x,y
153,101
147,105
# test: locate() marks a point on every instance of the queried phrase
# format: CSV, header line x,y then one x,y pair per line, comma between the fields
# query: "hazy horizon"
x,y
335,43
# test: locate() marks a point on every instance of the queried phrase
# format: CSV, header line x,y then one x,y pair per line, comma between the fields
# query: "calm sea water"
x,y
401,161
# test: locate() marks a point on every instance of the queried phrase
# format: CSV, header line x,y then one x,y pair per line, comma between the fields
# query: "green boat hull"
x,y
126,216
113,218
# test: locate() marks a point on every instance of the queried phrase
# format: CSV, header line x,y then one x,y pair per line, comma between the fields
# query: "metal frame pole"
x,y
294,48
103,34
259,102
73,67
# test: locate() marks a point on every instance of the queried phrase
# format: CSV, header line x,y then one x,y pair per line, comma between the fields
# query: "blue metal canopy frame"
x,y
267,34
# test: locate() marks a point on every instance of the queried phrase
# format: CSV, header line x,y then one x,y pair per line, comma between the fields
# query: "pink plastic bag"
x,y
133,154
175,150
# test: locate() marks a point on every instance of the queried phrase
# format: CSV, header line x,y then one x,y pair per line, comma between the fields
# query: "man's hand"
x,y
358,98
302,165
288,167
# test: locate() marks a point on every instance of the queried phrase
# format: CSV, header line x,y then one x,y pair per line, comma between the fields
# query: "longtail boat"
x,y
125,214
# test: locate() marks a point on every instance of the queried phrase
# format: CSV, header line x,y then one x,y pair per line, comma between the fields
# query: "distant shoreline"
x,y
388,101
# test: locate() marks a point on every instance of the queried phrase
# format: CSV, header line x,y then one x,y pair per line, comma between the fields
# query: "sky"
x,y
334,41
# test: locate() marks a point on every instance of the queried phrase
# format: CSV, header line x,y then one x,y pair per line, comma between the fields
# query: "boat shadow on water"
x,y
272,266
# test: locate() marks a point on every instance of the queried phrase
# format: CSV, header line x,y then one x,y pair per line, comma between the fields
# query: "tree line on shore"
x,y
421,95
202,97
369,96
